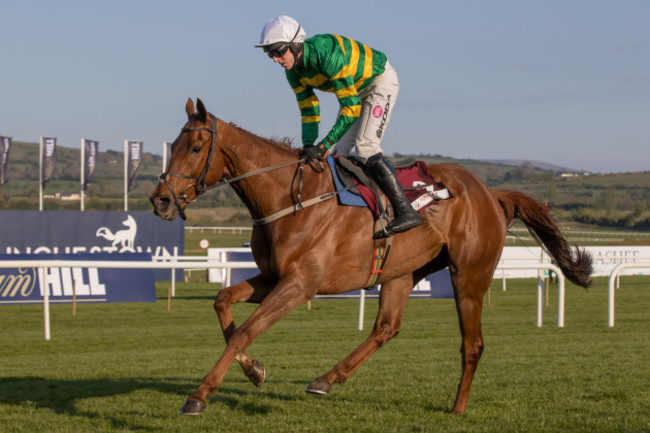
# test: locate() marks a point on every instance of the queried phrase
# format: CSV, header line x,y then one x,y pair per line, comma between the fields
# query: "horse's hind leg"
x,y
392,301
252,291
469,289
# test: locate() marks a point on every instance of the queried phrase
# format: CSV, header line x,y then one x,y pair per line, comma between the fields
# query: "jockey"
x,y
366,87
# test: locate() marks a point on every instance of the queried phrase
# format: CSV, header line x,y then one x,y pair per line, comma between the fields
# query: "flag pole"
x,y
40,173
82,195
126,178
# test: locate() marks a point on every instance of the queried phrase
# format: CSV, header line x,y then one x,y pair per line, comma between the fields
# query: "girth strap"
x,y
379,257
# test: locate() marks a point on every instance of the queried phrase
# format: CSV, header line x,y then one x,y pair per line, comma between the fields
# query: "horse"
x,y
326,248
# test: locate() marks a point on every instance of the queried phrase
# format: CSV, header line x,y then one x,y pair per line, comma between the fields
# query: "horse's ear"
x,y
189,107
202,112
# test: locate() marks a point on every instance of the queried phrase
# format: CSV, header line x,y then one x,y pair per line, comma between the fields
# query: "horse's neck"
x,y
266,192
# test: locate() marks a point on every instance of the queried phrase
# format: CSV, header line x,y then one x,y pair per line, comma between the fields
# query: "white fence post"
x,y
612,282
362,308
46,305
540,300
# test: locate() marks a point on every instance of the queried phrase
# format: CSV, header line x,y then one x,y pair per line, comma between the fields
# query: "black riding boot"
x,y
405,216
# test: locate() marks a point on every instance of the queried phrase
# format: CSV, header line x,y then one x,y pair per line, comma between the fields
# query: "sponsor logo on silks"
x,y
384,118
125,239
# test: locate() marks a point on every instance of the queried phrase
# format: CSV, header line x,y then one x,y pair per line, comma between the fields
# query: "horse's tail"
x,y
577,267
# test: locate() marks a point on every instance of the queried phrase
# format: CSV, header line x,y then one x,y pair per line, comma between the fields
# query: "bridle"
x,y
199,185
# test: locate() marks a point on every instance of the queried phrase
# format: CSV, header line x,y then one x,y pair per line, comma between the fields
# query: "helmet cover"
x,y
281,29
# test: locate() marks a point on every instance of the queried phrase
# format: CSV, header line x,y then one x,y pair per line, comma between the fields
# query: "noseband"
x,y
199,185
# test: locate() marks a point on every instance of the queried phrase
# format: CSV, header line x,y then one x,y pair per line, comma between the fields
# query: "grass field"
x,y
216,240
130,367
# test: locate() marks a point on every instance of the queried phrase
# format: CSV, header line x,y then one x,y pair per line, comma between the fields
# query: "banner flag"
x,y
91,151
49,148
5,145
135,154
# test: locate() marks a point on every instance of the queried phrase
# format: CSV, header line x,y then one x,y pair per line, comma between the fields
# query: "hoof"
x,y
257,373
192,407
319,387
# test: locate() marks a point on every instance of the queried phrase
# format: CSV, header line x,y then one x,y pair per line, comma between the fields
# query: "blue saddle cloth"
x,y
346,198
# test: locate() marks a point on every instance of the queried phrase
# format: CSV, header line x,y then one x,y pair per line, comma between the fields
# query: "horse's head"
x,y
195,164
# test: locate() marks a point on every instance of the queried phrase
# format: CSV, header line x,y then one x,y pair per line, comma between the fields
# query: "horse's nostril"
x,y
160,202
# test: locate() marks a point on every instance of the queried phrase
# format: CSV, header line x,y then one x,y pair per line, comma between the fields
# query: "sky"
x,y
560,81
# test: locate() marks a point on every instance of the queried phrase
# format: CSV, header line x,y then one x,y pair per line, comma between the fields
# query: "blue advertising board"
x,y
74,232
95,285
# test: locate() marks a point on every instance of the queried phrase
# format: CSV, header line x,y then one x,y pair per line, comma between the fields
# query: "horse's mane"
x,y
284,143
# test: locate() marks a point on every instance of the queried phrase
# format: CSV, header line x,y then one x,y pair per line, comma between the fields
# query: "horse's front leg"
x,y
253,290
287,295
392,302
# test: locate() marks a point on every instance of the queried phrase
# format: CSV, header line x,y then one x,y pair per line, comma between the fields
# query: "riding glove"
x,y
314,153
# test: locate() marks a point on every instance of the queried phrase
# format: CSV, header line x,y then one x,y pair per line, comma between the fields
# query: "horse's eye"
x,y
196,149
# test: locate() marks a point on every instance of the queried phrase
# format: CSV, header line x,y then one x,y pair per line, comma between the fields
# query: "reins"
x,y
298,204
200,187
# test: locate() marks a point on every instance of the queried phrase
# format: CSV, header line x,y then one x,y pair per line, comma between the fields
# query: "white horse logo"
x,y
125,238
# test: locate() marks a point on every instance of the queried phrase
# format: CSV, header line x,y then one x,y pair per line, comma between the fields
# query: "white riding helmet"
x,y
281,29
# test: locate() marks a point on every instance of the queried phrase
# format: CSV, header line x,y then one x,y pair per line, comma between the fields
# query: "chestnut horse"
x,y
327,248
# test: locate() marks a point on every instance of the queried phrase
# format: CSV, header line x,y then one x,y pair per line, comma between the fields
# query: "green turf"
x,y
130,367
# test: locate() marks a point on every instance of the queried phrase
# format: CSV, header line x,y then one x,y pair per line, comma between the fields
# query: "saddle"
x,y
355,186
360,188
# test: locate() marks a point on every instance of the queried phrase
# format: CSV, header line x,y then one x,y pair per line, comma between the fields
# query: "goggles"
x,y
279,49
278,52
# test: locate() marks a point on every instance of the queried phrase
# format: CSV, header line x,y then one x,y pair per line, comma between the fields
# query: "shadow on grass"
x,y
61,395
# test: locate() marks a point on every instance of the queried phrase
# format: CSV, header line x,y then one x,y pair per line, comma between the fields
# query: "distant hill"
x,y
536,164
613,200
